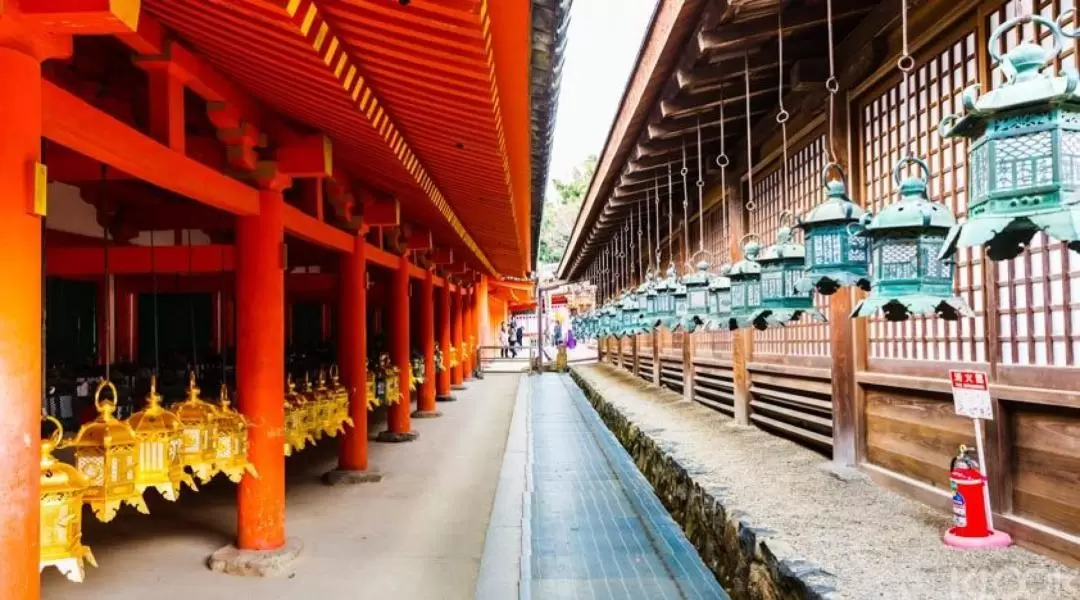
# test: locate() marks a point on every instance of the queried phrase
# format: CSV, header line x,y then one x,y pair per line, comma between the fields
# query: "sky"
x,y
602,45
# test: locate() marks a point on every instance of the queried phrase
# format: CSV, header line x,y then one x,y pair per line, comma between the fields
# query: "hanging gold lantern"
x,y
312,412
232,440
327,406
340,395
197,421
157,432
453,356
62,490
105,453
390,375
297,431
372,395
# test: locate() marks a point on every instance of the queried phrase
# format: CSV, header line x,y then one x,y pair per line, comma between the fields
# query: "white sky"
x,y
602,45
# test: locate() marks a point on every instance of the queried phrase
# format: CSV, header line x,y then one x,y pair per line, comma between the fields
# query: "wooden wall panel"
x,y
914,435
1046,466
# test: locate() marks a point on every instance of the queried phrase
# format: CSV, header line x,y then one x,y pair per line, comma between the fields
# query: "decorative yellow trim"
x,y
309,18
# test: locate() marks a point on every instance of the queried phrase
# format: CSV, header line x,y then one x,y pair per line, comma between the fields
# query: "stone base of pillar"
x,y
391,437
426,414
446,398
231,560
457,387
348,477
478,374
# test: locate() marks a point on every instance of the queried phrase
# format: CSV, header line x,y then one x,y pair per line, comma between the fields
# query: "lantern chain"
x,y
670,215
723,161
106,239
750,204
700,192
656,201
906,63
648,229
685,207
782,115
641,246
832,84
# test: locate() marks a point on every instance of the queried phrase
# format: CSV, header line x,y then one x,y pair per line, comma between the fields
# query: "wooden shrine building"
x,y
700,112
320,172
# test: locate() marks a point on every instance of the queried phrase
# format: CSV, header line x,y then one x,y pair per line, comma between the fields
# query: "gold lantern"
x,y
62,490
232,441
372,396
297,434
157,432
105,453
198,419
390,373
326,406
453,356
313,410
340,397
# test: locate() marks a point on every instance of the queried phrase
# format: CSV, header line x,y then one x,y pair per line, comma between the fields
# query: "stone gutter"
x,y
748,561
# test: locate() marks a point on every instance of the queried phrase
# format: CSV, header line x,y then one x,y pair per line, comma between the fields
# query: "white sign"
x,y
971,394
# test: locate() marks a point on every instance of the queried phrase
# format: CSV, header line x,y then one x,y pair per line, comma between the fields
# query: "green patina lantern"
x,y
696,285
834,257
782,265
681,299
631,314
642,296
663,315
720,300
745,276
1024,171
905,240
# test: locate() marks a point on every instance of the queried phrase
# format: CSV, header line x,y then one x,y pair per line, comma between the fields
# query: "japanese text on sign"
x,y
971,394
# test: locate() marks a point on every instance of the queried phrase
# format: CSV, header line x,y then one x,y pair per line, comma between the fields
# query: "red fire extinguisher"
x,y
969,505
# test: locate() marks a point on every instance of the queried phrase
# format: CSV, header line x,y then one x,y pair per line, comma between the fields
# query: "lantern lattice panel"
x,y
1038,293
804,175
934,89
717,244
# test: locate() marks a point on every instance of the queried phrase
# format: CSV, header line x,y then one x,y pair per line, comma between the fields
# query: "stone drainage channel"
x,y
593,527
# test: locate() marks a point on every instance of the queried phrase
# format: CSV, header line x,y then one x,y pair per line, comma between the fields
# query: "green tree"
x,y
561,210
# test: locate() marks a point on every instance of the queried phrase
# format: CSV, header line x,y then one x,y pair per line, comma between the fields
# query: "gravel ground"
x,y
877,543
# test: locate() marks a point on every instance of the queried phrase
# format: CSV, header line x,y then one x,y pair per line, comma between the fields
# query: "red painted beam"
x,y
379,212
381,257
308,228
84,17
306,156
130,260
68,120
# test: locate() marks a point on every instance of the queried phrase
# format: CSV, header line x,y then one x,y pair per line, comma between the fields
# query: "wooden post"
x,y
442,380
260,371
842,350
20,319
741,340
688,366
426,399
399,426
352,352
656,357
636,370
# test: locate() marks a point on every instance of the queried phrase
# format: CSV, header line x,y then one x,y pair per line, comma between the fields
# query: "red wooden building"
x,y
344,154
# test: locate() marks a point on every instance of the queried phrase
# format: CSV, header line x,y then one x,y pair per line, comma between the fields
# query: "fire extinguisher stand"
x,y
971,395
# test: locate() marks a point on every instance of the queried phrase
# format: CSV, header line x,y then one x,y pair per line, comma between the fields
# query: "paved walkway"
x,y
595,529
417,535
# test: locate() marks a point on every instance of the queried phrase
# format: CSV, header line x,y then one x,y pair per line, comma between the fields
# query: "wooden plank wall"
x,y
899,425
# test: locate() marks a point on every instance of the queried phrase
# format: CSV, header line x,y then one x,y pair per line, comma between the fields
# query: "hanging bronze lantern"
x,y
198,419
745,277
105,452
231,429
834,257
1024,171
782,265
159,437
662,312
696,286
297,427
719,317
905,240
62,490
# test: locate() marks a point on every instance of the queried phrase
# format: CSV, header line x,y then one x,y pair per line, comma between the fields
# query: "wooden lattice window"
x,y
933,90
804,338
1038,292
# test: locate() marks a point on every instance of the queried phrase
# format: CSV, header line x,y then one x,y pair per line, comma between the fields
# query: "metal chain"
x,y
750,204
782,115
906,63
723,161
641,244
656,200
832,84
685,206
648,227
670,213
106,239
700,192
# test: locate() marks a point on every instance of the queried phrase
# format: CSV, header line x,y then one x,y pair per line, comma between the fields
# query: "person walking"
x,y
504,350
510,340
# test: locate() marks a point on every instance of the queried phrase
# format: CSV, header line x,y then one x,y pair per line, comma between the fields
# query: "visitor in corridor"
x,y
558,333
509,337
519,334
571,343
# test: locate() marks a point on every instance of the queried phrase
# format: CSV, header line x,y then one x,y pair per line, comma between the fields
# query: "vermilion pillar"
x,y
442,381
352,352
455,334
397,419
467,334
425,406
20,322
260,371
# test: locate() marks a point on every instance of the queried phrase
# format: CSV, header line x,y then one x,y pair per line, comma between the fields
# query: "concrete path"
x,y
595,529
418,534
